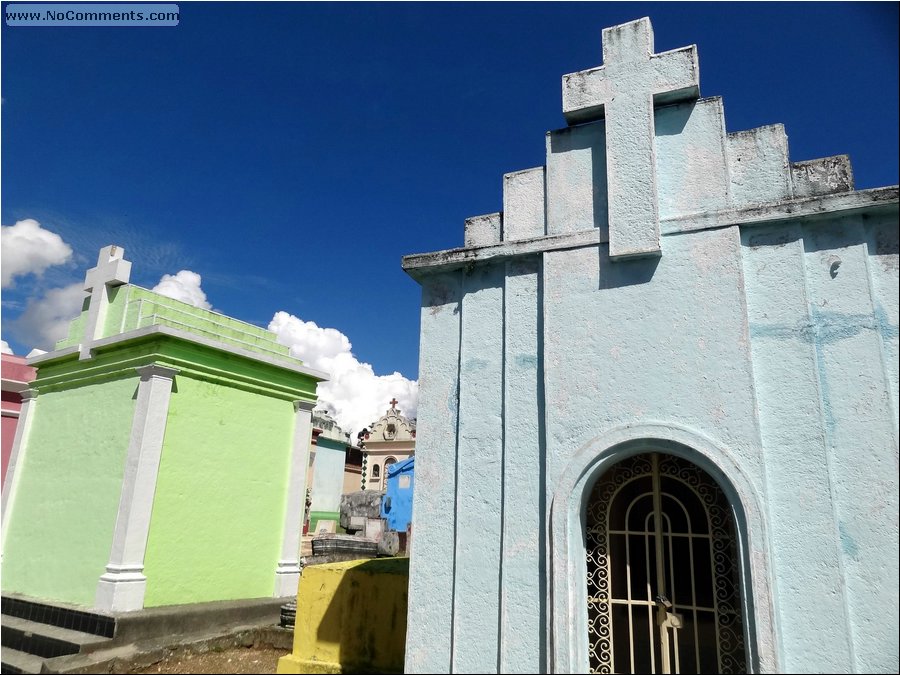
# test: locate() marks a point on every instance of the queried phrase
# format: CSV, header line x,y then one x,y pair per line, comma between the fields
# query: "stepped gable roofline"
x,y
661,141
116,312
285,363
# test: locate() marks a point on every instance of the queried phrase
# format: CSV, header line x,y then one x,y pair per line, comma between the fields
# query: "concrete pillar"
x,y
122,587
287,571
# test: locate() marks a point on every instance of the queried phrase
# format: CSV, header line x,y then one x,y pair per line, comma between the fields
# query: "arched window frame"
x,y
568,602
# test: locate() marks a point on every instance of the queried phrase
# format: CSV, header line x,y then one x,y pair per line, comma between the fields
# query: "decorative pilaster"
x,y
123,586
287,571
20,440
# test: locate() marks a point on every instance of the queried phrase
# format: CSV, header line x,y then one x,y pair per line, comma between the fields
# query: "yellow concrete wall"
x,y
351,617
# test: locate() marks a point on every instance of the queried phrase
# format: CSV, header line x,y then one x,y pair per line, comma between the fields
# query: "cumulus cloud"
x,y
27,248
46,319
355,396
5,348
184,286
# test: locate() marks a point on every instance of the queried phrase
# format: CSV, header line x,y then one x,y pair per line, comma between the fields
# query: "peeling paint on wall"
x,y
767,327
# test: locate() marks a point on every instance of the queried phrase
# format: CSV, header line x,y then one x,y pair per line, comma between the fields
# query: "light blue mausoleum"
x,y
658,414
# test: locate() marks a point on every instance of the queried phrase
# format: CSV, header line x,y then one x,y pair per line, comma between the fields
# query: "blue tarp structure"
x,y
396,507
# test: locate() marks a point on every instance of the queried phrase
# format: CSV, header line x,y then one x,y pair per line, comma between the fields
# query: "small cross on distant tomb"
x,y
623,90
112,270
394,403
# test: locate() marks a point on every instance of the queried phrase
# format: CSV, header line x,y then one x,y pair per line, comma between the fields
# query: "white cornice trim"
x,y
840,204
56,354
15,386
187,337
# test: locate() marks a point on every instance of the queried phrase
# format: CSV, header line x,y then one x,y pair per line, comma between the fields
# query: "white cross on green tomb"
x,y
111,270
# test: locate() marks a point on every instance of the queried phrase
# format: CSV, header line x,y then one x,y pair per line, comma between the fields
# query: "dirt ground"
x,y
231,660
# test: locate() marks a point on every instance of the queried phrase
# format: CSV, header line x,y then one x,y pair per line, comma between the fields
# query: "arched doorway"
x,y
663,587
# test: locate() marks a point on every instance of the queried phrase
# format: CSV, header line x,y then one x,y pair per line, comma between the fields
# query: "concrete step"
x,y
14,661
45,640
58,614
128,657
78,645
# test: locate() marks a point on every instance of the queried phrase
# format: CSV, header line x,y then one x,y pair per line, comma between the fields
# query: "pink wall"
x,y
16,374
15,368
8,432
11,400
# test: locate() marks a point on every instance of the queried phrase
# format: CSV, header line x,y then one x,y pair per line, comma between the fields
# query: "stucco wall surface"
x,y
764,336
218,512
64,513
779,344
351,618
328,479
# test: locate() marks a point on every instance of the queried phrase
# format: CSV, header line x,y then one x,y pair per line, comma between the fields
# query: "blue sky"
x,y
290,154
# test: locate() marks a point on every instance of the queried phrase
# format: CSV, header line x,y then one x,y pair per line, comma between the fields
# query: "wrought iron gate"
x,y
663,592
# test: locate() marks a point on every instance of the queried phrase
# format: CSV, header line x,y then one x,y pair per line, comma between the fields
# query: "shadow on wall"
x,y
585,146
351,617
625,272
367,616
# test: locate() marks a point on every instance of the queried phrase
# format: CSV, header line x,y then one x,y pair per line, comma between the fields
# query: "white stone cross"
x,y
111,270
623,90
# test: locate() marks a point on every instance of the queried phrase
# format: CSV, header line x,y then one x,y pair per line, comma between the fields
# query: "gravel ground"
x,y
231,660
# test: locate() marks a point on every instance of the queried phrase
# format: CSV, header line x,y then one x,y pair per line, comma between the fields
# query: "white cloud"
x,y
354,395
27,248
184,286
5,348
46,319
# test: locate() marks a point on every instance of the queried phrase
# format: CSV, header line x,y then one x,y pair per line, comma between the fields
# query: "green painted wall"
x,y
65,509
217,521
216,528
316,516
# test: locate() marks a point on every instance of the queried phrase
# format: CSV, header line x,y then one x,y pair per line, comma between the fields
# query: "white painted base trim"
x,y
287,578
121,589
